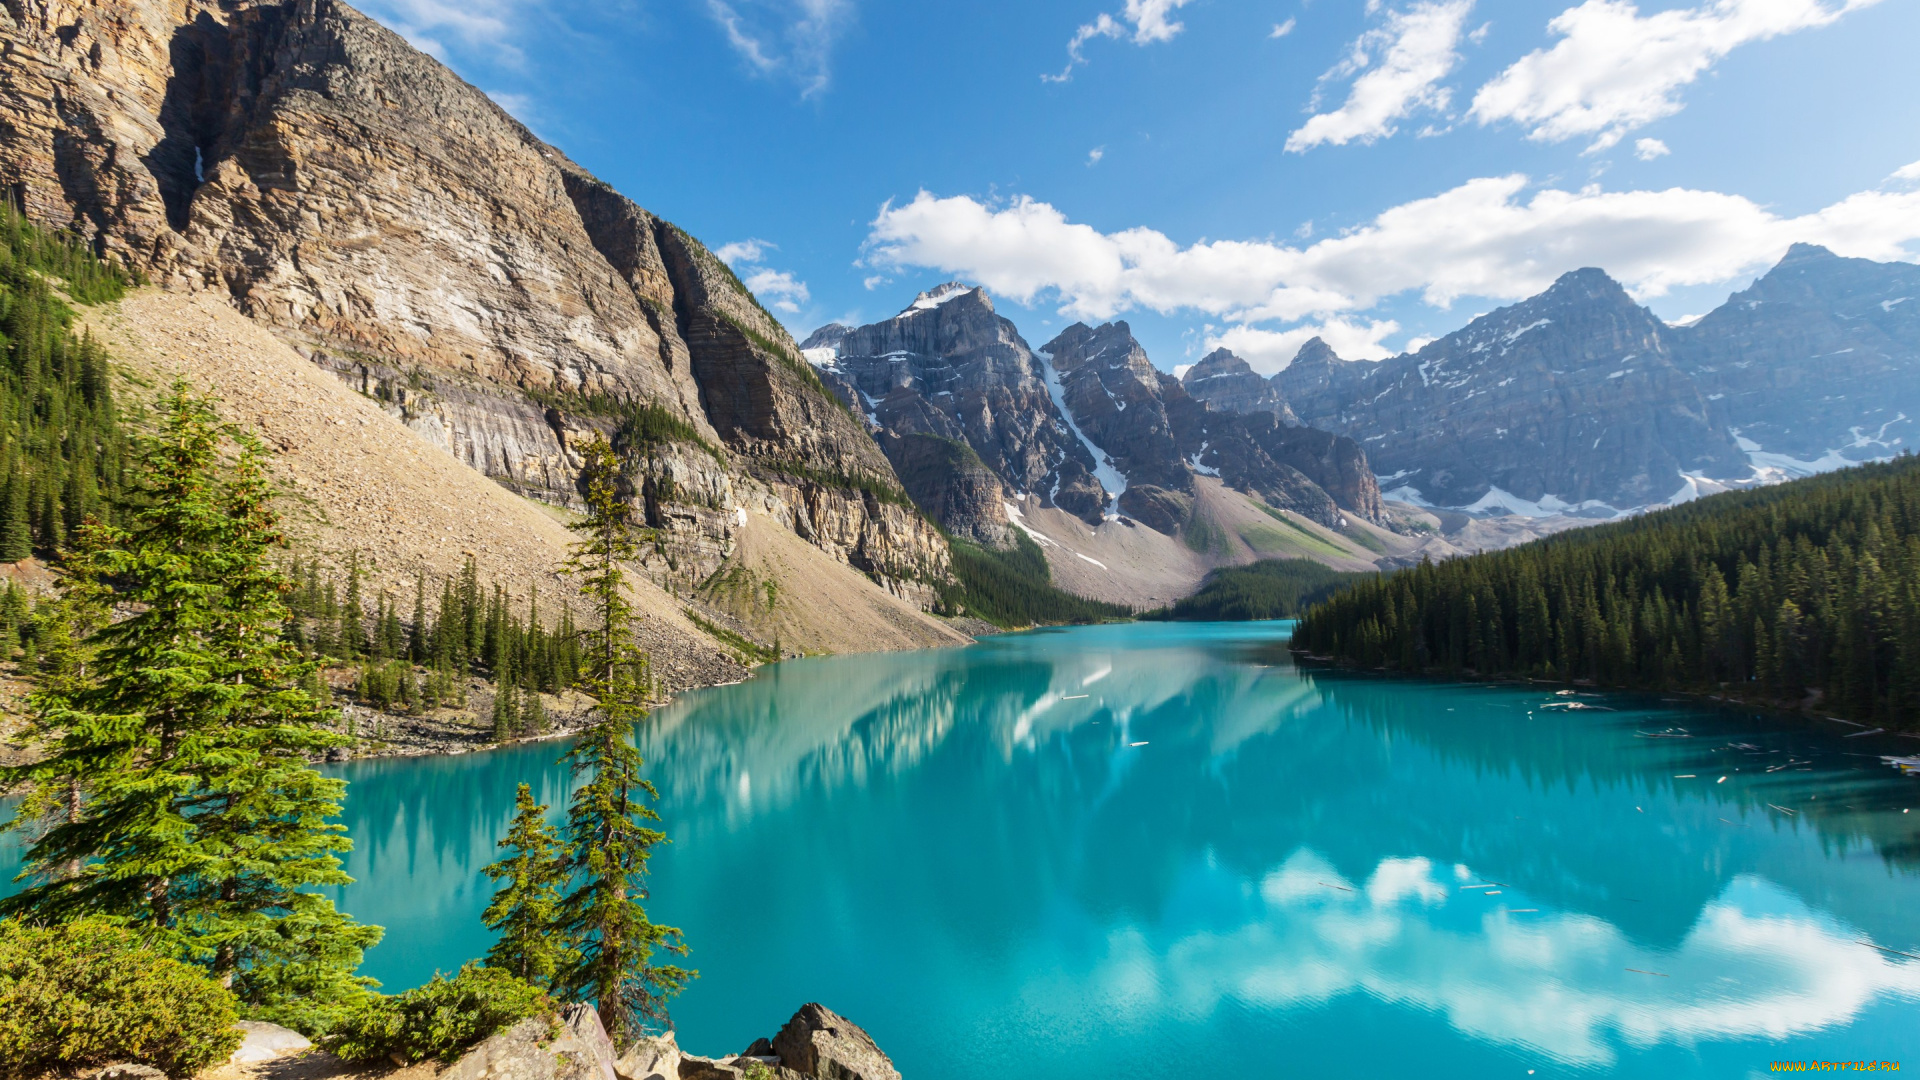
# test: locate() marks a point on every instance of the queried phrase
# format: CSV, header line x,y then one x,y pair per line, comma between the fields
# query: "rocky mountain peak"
x,y
1315,353
1217,363
1583,286
1226,383
1799,253
942,294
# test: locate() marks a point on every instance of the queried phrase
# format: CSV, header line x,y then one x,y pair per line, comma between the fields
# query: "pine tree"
x,y
16,531
533,713
525,910
419,645
203,824
608,840
506,714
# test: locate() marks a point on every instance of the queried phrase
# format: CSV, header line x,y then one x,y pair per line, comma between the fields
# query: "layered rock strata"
x,y
394,223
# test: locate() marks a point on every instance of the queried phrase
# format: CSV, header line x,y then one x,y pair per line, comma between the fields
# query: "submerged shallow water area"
x,y
1129,850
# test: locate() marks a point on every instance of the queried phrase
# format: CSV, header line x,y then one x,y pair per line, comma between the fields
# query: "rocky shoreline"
x,y
815,1044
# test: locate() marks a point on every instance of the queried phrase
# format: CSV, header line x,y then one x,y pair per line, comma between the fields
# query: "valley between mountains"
x,y
428,310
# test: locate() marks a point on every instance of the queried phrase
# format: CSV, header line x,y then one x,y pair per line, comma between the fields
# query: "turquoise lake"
x,y
1159,849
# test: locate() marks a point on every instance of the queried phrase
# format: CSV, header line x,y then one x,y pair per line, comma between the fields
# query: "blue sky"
x,y
1246,172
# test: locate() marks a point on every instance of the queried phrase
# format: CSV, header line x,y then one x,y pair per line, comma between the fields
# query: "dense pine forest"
x,y
1805,594
1268,589
64,456
1014,588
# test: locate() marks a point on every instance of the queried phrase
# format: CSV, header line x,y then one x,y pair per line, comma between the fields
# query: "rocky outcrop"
x,y
951,368
1573,401
1156,437
387,218
947,479
1225,383
1817,364
817,1044
577,1048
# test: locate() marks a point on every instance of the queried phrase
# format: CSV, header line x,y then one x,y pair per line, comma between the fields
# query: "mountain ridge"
x,y
394,225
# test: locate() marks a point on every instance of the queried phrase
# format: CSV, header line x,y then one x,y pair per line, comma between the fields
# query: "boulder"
x,y
651,1057
818,1042
534,1050
264,1042
126,1071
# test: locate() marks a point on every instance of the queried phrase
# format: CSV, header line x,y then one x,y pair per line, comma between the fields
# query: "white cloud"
x,y
743,251
1909,173
876,281
1146,21
785,38
1094,155
485,26
1267,351
1401,65
1613,70
1493,237
1648,149
1281,30
778,289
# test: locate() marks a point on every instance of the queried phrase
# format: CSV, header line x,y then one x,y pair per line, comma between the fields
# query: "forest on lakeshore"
x,y
178,840
1014,588
1268,589
1806,594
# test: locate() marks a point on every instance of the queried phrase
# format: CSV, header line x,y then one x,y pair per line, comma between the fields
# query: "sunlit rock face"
x,y
949,367
394,223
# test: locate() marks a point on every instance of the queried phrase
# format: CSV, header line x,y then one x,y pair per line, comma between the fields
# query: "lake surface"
x,y
1158,849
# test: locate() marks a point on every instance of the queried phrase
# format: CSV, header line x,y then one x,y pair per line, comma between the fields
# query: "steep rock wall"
x,y
398,227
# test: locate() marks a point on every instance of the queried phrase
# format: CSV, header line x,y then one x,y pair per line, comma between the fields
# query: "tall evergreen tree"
x,y
525,910
607,835
203,823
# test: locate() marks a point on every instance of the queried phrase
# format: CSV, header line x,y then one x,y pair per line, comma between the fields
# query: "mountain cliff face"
x,y
1155,437
1581,401
398,228
1089,425
1572,401
950,368
1818,363
1225,383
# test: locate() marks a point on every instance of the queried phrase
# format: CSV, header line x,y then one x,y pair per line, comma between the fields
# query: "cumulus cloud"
x,y
1267,351
1094,155
778,289
1401,64
790,39
484,26
1145,21
1281,30
1648,149
1909,173
1496,237
1613,70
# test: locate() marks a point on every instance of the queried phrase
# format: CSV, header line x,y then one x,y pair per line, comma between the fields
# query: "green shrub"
x,y
440,1019
86,993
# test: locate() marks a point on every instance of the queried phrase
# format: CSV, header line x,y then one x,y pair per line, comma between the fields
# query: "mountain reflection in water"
x,y
966,852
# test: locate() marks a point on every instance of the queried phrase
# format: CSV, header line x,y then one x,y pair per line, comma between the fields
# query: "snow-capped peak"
x,y
936,296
